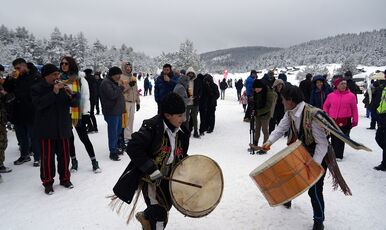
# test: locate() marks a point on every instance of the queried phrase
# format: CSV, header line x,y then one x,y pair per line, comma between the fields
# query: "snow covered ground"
x,y
23,204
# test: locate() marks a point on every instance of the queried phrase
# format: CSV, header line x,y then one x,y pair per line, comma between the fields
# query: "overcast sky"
x,y
153,26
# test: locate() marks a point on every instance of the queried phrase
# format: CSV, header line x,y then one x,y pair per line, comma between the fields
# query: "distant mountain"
x,y
232,59
366,48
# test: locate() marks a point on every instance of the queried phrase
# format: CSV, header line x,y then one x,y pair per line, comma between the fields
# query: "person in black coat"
x,y
22,79
374,103
146,85
351,84
212,93
223,87
92,125
98,79
52,101
153,158
239,86
306,87
320,90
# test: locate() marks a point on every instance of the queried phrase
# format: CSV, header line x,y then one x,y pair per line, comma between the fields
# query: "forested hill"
x,y
366,48
233,58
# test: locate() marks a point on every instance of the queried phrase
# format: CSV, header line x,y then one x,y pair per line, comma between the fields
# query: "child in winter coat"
x,y
154,150
244,100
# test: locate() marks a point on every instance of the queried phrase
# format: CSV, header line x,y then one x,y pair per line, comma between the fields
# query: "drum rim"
x,y
268,164
275,158
206,211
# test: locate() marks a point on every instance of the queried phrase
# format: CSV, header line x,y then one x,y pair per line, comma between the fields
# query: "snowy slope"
x,y
23,204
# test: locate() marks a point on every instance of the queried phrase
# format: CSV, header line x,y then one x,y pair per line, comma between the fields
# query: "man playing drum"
x,y
154,150
297,119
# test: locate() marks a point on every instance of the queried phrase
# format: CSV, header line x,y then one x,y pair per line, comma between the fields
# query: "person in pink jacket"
x,y
341,106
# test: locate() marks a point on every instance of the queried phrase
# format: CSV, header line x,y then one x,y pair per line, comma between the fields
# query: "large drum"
x,y
285,175
192,201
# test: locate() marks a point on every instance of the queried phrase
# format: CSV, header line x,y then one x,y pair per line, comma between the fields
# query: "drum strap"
x,y
304,133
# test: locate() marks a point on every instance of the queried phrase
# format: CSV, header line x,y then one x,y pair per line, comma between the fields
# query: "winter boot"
x,y
114,157
95,166
74,165
380,167
22,160
288,204
318,225
4,169
36,163
67,184
48,189
140,216
195,135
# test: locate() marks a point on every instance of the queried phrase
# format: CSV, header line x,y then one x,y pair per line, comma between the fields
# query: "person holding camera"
x,y
52,100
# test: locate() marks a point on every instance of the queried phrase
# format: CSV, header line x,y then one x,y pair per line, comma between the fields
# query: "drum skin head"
x,y
192,201
284,176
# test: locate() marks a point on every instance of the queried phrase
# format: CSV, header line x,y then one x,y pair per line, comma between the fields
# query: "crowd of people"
x,y
278,109
45,107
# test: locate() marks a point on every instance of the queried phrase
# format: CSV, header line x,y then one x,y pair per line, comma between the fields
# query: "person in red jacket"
x,y
341,106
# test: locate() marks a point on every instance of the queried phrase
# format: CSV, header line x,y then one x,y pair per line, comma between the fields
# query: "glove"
x,y
156,175
138,107
267,146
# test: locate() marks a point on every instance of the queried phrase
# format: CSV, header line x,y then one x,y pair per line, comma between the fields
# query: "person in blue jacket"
x,y
164,84
249,91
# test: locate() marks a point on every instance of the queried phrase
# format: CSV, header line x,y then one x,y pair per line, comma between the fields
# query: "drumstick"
x,y
183,182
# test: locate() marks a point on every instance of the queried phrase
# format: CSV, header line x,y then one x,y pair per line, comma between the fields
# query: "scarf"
x,y
75,110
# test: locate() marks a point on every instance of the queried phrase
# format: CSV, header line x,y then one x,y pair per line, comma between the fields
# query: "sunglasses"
x,y
64,63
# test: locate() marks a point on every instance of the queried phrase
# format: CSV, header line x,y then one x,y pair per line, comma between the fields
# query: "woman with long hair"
x,y
79,114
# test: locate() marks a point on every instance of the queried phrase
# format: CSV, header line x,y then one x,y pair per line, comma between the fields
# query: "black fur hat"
x,y
172,104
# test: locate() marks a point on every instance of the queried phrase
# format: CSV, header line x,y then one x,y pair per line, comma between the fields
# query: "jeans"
x,y
114,129
27,141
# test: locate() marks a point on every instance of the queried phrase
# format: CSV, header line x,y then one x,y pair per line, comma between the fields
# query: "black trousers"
x,y
380,137
50,147
91,121
238,95
273,122
83,136
211,118
316,195
249,108
203,119
337,144
158,213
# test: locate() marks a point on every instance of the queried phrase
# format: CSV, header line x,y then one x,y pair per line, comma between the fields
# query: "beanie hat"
x,y
258,84
337,81
114,71
172,104
49,69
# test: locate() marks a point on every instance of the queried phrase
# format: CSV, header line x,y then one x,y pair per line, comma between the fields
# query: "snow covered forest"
x,y
21,43
366,48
